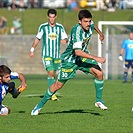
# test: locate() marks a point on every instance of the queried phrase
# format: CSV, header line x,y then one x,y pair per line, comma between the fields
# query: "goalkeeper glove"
x,y
120,57
21,89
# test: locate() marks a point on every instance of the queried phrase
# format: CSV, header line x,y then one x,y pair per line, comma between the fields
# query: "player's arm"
x,y
81,53
23,84
120,55
64,37
64,41
35,43
99,32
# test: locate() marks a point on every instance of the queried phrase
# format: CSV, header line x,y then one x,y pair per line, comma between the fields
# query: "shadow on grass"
x,y
39,95
22,112
73,111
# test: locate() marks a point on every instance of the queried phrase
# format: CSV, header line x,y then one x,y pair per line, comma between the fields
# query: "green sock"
x,y
51,81
99,89
45,98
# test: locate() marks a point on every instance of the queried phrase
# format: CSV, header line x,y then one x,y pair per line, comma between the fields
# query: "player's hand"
x,y
63,41
22,87
31,54
120,58
101,37
101,60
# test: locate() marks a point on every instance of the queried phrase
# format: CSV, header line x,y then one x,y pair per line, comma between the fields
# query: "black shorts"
x,y
129,63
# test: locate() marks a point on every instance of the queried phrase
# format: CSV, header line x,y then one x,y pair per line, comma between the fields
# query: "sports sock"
x,y
51,81
125,76
45,98
99,89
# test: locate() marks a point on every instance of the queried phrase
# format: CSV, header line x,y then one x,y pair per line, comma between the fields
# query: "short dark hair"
x,y
52,11
4,70
84,14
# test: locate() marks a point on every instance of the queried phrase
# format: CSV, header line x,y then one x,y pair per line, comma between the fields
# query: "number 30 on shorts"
x,y
64,75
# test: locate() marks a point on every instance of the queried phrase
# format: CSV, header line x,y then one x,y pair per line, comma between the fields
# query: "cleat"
x,y
54,98
35,111
101,105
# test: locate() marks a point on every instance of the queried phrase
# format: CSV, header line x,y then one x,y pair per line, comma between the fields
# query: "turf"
x,y
74,112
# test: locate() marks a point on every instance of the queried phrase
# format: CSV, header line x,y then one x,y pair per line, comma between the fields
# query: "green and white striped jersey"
x,y
51,39
79,39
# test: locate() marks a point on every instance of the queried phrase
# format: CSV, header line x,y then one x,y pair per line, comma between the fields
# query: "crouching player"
x,y
6,75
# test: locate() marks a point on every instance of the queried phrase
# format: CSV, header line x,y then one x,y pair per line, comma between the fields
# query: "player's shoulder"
x,y
76,27
59,25
92,22
14,75
44,24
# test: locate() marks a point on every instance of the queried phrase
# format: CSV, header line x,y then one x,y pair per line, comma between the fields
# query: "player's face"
x,y
85,23
6,78
52,18
131,36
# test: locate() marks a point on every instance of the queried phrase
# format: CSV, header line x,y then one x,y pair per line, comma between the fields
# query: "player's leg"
x,y
50,68
132,75
132,70
55,64
51,91
4,110
126,70
65,73
51,80
91,66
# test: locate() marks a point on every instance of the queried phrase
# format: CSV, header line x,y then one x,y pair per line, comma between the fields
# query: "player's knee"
x,y
97,67
51,73
58,86
100,75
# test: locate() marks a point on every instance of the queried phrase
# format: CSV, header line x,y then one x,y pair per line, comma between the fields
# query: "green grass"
x,y
74,112
32,18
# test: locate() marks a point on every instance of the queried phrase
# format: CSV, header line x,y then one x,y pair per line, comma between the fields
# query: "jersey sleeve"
x,y
40,33
124,44
63,33
14,75
76,37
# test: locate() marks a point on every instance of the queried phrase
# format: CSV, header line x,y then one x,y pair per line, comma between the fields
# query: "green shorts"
x,y
68,70
51,63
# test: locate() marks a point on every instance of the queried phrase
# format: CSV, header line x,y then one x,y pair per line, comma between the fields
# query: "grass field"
x,y
74,112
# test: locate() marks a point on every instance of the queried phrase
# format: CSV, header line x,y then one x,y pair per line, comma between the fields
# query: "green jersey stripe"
x,y
51,39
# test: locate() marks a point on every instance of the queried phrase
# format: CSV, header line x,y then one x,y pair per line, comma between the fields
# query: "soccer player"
x,y
53,35
77,57
6,86
127,48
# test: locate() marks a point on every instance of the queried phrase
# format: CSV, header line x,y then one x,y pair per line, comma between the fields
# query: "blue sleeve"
x,y
14,75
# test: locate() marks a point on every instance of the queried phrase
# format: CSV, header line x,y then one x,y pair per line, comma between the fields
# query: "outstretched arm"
x,y
99,32
23,84
89,56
